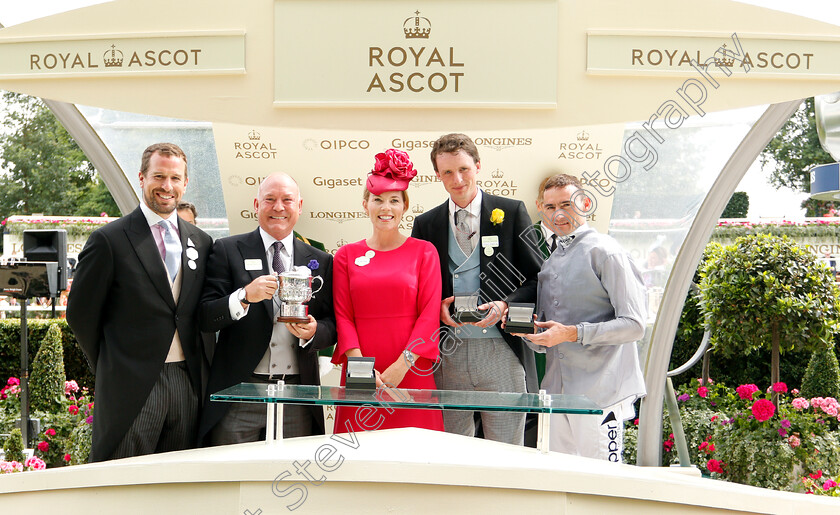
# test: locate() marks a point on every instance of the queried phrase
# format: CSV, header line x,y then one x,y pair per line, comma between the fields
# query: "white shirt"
x,y
473,216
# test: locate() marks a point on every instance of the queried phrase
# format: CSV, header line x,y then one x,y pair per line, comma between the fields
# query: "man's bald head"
x,y
278,204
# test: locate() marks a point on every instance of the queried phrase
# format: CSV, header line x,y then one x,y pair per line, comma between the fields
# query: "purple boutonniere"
x,y
313,264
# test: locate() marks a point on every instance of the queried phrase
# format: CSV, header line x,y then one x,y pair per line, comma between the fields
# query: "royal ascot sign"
x,y
625,53
401,54
120,55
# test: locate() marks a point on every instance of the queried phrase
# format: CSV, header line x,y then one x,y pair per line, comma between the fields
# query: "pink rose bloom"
x,y
89,420
43,446
5,466
800,403
780,387
395,164
829,483
795,391
12,382
70,386
715,466
36,463
763,410
703,392
16,466
50,432
746,391
67,457
793,441
74,410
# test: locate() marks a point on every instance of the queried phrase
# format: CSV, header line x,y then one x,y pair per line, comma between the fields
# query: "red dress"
x,y
383,307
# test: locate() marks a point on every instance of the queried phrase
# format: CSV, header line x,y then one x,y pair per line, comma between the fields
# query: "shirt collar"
x,y
546,231
473,208
153,218
268,240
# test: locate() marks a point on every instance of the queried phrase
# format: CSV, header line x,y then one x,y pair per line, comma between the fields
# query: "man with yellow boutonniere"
x,y
387,301
485,262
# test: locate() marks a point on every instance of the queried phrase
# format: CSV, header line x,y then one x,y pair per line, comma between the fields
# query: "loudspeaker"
x,y
49,245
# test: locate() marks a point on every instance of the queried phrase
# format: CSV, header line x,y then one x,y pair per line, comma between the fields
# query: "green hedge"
x,y
75,364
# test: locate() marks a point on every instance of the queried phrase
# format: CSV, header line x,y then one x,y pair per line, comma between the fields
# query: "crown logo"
x,y
583,136
113,58
254,135
417,209
730,62
342,242
497,174
417,27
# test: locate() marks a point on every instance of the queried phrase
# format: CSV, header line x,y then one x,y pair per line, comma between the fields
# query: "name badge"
x,y
253,264
490,241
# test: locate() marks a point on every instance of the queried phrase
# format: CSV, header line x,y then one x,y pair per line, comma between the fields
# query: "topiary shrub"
x,y
822,378
764,292
75,364
47,380
738,206
13,447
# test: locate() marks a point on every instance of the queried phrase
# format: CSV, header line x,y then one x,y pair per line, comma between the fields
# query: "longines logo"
x,y
414,69
115,58
336,144
423,180
581,147
502,143
337,216
254,148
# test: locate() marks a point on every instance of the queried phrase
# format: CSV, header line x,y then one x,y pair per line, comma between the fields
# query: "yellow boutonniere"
x,y
497,216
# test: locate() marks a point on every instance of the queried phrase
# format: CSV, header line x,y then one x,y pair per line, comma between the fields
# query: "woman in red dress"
x,y
386,292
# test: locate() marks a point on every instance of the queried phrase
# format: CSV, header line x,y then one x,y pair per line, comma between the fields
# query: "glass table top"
x,y
405,398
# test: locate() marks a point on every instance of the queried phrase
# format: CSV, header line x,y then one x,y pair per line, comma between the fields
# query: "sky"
x,y
765,201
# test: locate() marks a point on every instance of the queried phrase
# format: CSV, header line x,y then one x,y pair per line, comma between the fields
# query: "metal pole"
x,y
24,375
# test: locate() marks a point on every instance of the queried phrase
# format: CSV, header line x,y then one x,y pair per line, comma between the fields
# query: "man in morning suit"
x,y
134,310
239,301
478,238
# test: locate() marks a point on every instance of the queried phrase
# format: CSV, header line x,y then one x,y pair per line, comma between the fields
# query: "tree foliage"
x,y
822,379
738,206
765,292
42,169
47,381
795,150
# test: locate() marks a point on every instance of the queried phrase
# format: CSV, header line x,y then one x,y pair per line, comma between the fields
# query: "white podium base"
x,y
393,471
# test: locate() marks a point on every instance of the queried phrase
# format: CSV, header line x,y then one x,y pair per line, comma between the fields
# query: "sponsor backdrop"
x,y
331,168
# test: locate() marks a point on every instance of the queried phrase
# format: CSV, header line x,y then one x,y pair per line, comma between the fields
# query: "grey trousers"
x,y
245,421
168,421
487,365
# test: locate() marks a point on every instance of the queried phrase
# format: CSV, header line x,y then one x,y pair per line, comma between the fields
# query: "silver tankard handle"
x,y
320,284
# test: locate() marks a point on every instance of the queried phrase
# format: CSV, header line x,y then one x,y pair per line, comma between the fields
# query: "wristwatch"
x,y
409,357
242,296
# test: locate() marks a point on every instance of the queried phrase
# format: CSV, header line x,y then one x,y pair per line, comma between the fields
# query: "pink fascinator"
x,y
392,171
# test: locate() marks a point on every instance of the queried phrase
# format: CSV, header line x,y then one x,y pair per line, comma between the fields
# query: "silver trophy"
x,y
295,289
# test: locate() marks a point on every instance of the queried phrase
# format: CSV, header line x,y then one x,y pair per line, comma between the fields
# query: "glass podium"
x,y
275,395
